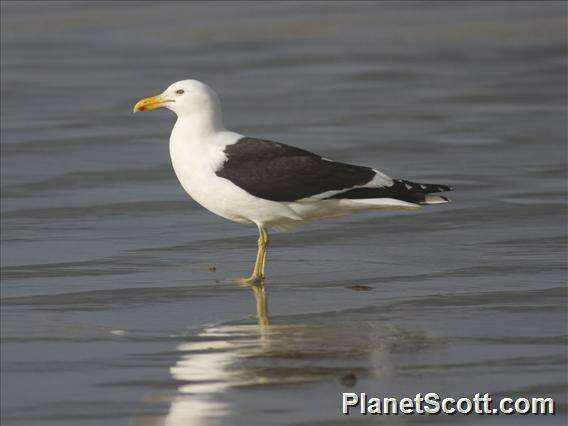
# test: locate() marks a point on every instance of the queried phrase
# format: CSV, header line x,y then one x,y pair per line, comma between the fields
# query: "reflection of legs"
x,y
258,271
261,311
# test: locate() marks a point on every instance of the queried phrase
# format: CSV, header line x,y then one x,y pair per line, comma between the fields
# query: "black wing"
x,y
279,172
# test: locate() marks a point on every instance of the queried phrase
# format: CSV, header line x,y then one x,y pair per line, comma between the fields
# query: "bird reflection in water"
x,y
204,368
223,363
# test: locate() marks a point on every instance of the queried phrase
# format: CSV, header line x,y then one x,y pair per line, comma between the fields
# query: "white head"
x,y
189,99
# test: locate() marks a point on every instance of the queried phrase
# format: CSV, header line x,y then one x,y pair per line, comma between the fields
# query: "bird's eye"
x,y
180,91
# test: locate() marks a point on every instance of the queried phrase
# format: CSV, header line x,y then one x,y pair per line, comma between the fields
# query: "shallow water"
x,y
117,304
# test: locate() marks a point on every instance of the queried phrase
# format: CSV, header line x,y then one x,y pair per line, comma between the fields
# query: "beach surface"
x,y
118,305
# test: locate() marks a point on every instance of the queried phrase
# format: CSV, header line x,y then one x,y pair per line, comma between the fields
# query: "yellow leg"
x,y
258,271
262,266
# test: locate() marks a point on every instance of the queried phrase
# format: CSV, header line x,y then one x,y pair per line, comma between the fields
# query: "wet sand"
x,y
118,305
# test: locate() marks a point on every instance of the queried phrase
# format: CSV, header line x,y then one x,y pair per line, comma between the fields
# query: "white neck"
x,y
199,125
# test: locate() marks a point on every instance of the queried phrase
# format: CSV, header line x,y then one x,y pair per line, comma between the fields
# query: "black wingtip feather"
x,y
403,190
425,188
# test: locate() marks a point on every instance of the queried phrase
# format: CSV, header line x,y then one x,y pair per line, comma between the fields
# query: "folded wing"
x,y
279,172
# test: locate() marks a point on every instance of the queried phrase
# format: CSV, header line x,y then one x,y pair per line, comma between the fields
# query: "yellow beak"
x,y
148,104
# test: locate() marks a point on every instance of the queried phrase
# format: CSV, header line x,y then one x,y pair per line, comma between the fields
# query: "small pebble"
x,y
349,379
360,288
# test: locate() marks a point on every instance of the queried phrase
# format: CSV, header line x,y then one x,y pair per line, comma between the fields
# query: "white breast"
x,y
195,161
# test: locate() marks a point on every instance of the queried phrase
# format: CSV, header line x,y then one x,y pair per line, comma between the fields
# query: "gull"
x,y
266,183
